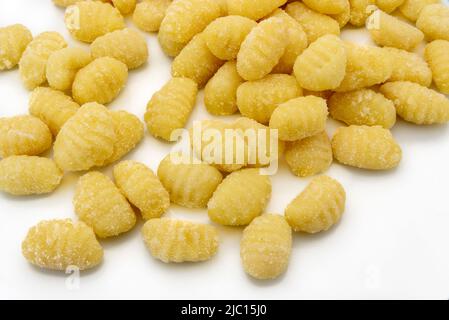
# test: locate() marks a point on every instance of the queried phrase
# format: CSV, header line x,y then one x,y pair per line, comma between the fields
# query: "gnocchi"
x,y
327,6
149,14
389,6
125,6
361,10
253,9
13,41
412,8
434,22
438,59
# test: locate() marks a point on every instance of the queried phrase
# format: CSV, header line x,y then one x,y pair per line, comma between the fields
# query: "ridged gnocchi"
x,y
13,41
327,6
149,14
434,22
360,11
253,9
389,6
125,6
412,8
437,57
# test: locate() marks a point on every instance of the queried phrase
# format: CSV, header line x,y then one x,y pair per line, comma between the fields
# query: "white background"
x,y
393,241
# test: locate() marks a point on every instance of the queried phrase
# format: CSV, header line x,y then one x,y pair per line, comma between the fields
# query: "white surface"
x,y
392,242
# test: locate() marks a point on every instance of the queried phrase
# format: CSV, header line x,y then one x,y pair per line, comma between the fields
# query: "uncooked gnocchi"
x,y
412,8
253,9
125,6
360,11
389,6
327,6
434,22
13,41
438,58
149,14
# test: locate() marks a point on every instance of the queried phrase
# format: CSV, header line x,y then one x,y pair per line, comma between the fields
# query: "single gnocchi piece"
x,y
242,196
88,20
253,9
125,6
364,147
220,94
170,108
183,20
322,66
63,65
100,81
388,6
361,10
142,188
366,66
327,6
86,140
363,107
438,58
13,41
319,207
434,22
417,104
177,241
309,156
29,175
412,8
266,247
314,24
62,244
225,35
409,66
389,31
101,205
127,46
53,107
196,62
300,118
33,64
343,17
24,135
258,99
129,131
262,49
149,14
190,184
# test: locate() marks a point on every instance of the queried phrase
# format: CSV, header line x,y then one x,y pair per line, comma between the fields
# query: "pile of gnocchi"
x,y
280,64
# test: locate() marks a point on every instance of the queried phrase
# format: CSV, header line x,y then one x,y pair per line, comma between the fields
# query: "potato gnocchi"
x,y
437,57
149,14
13,41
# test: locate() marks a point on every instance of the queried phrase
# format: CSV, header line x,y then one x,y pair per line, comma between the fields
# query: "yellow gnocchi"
x,y
343,17
434,22
127,46
13,41
63,65
53,107
62,244
437,57
417,104
220,93
361,10
412,8
149,14
253,9
258,99
29,175
86,140
88,20
125,6
100,81
319,207
309,156
101,205
363,107
364,147
327,6
177,241
262,49
190,185
266,247
170,108
242,196
142,188
33,64
300,118
389,6
322,66
24,135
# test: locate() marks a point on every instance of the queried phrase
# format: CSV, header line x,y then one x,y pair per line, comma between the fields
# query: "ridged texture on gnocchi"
x,y
53,107
29,175
253,9
262,49
179,241
300,118
127,46
13,41
33,64
190,185
266,247
434,22
23,135
142,188
100,81
360,11
388,6
438,58
61,244
343,17
170,108
417,104
86,140
88,20
322,66
309,156
242,196
149,14
318,208
363,107
101,205
258,99
412,8
364,147
125,6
